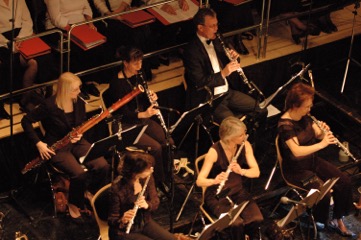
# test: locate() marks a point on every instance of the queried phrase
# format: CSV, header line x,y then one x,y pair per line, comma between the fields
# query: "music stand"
x,y
313,197
119,140
224,221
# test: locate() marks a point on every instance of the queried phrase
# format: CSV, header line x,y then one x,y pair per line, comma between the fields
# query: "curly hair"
x,y
298,94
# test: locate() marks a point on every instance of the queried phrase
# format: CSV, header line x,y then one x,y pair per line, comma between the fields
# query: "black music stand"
x,y
187,120
313,197
118,141
224,221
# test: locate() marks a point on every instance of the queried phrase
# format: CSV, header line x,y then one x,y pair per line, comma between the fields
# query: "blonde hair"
x,y
231,127
65,85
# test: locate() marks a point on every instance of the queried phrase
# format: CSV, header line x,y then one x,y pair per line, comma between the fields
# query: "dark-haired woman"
x,y
139,110
134,169
300,140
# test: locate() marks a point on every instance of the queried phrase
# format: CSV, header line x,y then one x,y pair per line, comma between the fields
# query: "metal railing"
x,y
262,28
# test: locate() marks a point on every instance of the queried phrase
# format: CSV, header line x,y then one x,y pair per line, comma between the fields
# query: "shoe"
x,y
296,38
3,113
333,227
241,48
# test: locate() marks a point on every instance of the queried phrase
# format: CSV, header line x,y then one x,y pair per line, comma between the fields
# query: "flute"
x,y
136,207
228,171
338,143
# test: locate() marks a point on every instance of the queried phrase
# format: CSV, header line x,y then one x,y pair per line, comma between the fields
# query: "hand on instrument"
x,y
76,138
153,96
234,54
230,68
220,177
324,126
235,167
168,9
142,203
328,139
127,216
45,152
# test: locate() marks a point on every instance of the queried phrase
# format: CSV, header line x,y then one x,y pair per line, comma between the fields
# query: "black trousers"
x,y
96,176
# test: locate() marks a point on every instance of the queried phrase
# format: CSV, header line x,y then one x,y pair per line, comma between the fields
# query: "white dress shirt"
x,y
22,20
215,64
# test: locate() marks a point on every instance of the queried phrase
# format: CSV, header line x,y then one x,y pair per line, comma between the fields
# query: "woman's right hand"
x,y
328,139
127,216
45,152
220,178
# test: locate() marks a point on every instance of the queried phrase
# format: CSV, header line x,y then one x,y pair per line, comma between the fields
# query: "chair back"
x,y
198,164
279,160
100,203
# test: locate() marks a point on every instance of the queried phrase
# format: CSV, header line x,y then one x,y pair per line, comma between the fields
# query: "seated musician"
x,y
232,133
59,115
208,67
300,140
139,110
135,185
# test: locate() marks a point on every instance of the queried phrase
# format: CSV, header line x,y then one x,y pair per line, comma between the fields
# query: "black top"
x,y
53,119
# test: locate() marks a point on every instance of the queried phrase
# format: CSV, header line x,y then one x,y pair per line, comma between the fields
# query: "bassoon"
x,y
38,161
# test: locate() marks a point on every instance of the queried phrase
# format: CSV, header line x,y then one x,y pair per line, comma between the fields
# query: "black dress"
x,y
298,169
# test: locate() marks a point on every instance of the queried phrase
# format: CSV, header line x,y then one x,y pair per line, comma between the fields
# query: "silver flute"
x,y
228,171
338,143
136,207
155,103
252,87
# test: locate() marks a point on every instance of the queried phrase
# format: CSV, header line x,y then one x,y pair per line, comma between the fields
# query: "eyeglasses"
x,y
212,26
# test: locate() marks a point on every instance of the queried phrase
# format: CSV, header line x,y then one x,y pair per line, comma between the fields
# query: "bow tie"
x,y
209,41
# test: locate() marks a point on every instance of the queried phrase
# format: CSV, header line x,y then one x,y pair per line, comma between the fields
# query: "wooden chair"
x,y
198,165
99,205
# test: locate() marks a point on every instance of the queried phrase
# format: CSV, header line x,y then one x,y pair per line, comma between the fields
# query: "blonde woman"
x,y
59,115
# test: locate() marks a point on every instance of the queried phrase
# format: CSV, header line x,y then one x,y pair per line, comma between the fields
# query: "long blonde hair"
x,y
65,85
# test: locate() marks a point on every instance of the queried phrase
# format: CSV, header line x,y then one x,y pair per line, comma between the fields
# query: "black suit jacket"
x,y
53,120
199,72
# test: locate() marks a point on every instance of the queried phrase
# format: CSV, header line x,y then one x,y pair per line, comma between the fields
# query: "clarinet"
x,y
252,87
155,103
228,171
136,207
338,143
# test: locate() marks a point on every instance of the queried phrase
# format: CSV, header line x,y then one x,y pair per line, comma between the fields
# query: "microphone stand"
x,y
11,155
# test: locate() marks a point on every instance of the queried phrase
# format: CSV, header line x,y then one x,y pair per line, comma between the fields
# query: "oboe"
x,y
338,143
136,207
228,171
252,87
155,103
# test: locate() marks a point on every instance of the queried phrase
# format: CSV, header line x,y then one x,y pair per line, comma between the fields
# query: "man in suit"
x,y
208,71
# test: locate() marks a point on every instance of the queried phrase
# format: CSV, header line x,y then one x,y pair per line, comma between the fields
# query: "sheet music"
x,y
180,14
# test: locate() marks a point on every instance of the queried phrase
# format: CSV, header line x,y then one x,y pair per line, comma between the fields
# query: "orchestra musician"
x,y
208,67
300,140
232,133
59,115
139,110
134,169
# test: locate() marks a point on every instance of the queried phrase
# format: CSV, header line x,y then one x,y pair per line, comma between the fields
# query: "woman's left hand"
x,y
235,167
76,138
153,96
142,203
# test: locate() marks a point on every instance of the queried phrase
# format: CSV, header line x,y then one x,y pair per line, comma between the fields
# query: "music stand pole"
x,y
349,56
